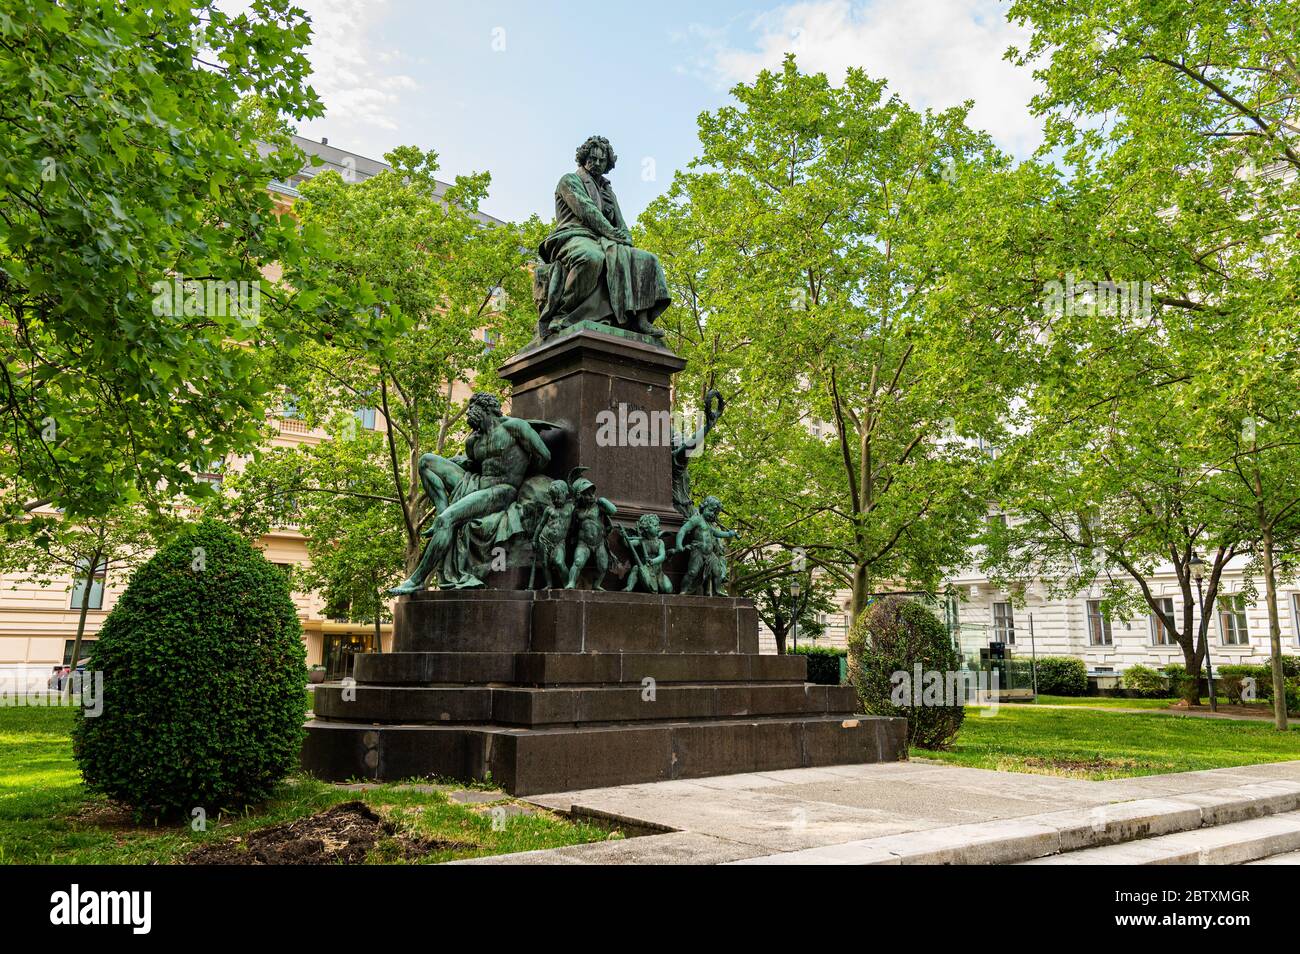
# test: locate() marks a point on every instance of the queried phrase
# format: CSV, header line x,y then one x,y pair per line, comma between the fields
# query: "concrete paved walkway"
x,y
773,815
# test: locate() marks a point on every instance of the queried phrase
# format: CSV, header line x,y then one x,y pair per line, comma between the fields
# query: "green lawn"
x,y
46,815
1105,702
1096,744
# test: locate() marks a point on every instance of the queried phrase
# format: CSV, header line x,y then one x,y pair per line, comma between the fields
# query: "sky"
x,y
513,87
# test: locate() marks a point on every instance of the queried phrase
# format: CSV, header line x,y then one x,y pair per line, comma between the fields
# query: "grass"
x,y
48,817
1106,702
1096,744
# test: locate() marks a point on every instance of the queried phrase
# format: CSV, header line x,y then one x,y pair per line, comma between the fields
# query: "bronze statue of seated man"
x,y
591,271
474,496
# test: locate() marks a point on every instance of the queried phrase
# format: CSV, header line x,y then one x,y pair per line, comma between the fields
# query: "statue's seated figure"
x,y
481,499
590,270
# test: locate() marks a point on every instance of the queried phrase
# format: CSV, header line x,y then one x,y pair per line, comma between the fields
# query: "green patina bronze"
x,y
648,554
702,538
590,269
684,448
550,542
592,525
482,499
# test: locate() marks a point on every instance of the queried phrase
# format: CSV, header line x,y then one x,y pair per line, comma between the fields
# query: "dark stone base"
x,y
560,689
561,758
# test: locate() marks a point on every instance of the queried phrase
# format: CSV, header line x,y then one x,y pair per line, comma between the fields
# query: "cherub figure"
x,y
648,555
591,518
550,542
706,570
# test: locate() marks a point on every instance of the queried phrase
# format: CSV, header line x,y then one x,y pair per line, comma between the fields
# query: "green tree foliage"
x,y
838,270
203,675
1155,432
452,295
126,163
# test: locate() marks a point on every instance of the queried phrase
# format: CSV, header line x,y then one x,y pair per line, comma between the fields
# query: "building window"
x,y
86,646
1004,623
1159,632
1232,620
289,407
366,416
96,582
1295,615
1098,625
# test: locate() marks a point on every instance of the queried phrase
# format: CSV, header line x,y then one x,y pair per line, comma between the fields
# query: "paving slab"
x,y
902,812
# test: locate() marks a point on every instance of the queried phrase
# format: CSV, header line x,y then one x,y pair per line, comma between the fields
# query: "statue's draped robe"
x,y
588,274
476,543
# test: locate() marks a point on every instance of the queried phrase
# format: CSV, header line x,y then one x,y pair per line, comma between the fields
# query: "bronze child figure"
x,y
551,539
648,554
591,518
706,571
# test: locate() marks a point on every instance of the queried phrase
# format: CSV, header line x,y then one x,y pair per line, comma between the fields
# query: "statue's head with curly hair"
x,y
482,409
596,155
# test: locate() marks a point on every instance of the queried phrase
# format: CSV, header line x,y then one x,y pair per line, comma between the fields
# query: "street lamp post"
x,y
1198,573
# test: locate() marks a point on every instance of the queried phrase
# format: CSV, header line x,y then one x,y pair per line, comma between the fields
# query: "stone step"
x,y
1055,837
1232,844
557,669
1286,858
515,706
561,758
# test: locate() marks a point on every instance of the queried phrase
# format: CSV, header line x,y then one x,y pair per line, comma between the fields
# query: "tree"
x,y
451,288
1182,118
339,495
133,204
839,268
54,548
769,584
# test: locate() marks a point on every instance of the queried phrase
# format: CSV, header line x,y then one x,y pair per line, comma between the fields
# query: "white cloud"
x,y
360,84
934,53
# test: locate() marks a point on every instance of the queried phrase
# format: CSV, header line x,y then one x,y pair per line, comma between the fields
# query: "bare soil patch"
x,y
344,834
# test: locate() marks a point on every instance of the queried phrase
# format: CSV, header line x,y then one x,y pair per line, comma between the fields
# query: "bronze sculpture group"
x,y
494,507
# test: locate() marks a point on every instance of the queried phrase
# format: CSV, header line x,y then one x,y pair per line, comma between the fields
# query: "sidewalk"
x,y
768,815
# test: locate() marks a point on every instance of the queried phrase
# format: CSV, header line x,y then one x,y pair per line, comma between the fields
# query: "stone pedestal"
x,y
567,689
573,380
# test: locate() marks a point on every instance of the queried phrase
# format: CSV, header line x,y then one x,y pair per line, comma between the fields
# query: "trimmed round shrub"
x,y
886,645
823,663
203,681
1145,681
1062,676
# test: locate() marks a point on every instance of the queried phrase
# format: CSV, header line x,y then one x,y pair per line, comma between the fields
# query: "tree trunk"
x,y
379,612
1274,632
81,625
861,591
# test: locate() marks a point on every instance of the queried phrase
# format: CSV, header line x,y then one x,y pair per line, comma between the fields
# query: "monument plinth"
x,y
520,667
612,394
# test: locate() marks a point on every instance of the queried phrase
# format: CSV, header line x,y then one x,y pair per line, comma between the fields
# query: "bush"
x,y
203,675
1145,681
823,663
895,636
1062,676
1183,685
